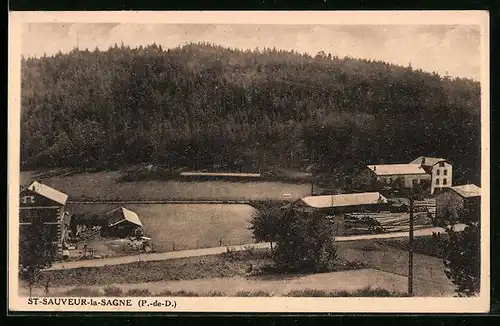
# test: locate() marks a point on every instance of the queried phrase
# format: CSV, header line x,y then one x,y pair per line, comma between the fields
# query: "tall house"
x,y
440,170
44,203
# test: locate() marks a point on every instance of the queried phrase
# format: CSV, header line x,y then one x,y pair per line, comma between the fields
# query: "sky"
x,y
452,50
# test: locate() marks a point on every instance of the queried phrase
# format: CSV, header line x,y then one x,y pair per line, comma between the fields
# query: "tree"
x,y
305,243
462,254
266,223
37,251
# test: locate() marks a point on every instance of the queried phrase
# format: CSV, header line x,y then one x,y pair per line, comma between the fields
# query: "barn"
x,y
41,202
451,200
122,222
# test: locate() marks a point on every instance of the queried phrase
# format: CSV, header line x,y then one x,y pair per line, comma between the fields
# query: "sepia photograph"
x,y
249,161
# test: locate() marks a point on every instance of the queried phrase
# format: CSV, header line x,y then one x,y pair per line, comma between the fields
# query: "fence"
x,y
177,245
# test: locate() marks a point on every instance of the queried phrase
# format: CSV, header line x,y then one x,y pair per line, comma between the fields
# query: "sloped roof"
x,y
429,161
365,198
127,215
48,192
467,191
396,169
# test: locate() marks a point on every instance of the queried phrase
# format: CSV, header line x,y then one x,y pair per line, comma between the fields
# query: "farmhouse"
x,y
440,171
122,222
450,201
433,174
41,202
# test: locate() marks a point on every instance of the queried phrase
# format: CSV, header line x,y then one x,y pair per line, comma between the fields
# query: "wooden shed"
x,y
122,222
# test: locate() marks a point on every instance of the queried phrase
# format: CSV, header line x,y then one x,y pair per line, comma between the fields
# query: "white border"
x,y
344,305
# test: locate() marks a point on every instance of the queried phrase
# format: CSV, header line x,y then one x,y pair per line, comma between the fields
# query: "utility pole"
x,y
410,250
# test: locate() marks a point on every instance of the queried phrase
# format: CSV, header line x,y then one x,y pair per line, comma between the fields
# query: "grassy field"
x,y
107,185
114,291
245,263
187,226
392,256
423,245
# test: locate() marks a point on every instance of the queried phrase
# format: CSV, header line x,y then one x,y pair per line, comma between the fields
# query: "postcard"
x,y
290,162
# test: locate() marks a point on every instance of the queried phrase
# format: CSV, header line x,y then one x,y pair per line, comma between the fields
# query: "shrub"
x,y
366,292
113,291
138,293
82,292
306,243
182,293
215,294
462,255
252,294
307,293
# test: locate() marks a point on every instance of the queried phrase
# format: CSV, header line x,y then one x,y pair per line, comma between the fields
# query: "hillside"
x,y
205,106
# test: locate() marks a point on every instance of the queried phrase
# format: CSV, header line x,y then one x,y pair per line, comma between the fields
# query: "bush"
x,y
82,292
305,243
462,255
252,294
138,293
215,294
182,293
113,291
307,293
366,292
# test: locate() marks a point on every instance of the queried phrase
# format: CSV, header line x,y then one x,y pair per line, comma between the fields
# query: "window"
x,y
445,172
445,182
437,182
437,172
441,164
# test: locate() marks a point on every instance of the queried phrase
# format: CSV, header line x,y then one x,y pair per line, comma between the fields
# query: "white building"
x,y
440,169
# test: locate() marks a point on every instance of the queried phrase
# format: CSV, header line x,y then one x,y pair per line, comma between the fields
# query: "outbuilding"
x,y
345,203
451,200
122,222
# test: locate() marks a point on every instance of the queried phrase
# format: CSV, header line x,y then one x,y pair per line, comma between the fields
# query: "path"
x,y
220,250
277,286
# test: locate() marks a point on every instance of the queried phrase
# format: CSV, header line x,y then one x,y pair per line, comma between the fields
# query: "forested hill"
x,y
202,105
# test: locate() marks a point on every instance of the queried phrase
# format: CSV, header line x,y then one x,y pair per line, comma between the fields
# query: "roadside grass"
x,y
113,291
428,245
138,293
307,293
82,292
252,294
366,292
248,263
168,270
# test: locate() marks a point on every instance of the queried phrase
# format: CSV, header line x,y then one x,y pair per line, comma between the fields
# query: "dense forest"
x,y
206,106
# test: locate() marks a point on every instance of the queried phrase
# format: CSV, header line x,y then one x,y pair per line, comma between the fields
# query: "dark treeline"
x,y
201,105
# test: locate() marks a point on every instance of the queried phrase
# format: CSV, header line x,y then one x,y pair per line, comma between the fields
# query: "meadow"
x,y
107,185
186,226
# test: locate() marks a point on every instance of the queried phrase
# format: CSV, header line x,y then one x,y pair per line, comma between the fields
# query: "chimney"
x,y
374,168
423,160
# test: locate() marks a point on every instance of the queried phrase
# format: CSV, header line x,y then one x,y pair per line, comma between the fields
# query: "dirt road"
x,y
219,250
